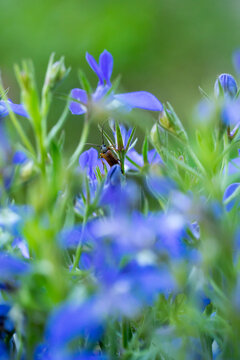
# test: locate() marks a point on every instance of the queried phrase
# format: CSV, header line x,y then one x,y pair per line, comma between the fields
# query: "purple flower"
x,y
11,266
225,85
153,158
71,321
103,70
89,160
17,109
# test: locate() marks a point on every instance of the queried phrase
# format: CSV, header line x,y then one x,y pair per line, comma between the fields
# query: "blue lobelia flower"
x,y
11,266
89,161
72,321
16,108
138,99
152,156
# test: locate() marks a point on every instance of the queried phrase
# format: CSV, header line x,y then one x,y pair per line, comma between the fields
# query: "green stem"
x,y
126,333
81,143
197,161
79,247
53,132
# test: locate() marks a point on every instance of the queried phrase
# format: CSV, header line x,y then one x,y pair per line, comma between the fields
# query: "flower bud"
x,y
226,86
55,73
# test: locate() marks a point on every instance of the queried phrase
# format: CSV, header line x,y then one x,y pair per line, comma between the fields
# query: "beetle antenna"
x,y
93,144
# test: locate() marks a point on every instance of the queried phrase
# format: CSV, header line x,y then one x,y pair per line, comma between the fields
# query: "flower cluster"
x,y
129,252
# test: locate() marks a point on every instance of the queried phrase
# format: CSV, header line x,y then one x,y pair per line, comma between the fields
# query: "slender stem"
x,y
79,247
81,143
126,333
58,125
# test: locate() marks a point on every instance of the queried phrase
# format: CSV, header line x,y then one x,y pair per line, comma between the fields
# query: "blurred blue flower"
x,y
6,323
233,167
71,321
19,157
11,267
153,158
43,352
236,61
160,186
17,109
21,244
7,330
227,84
230,114
139,99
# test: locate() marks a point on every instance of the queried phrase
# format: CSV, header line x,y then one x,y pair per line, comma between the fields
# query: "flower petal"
x,y
3,109
228,192
106,65
18,109
95,67
80,95
140,99
88,160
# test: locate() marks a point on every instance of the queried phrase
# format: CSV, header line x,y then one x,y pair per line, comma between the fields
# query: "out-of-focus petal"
x,y
19,158
95,67
3,109
106,65
154,157
21,244
10,266
88,160
100,92
141,100
18,109
228,192
77,108
236,60
71,321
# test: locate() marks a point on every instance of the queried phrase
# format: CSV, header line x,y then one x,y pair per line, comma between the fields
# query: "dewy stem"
x,y
81,144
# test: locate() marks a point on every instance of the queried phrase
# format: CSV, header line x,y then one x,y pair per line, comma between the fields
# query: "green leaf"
x,y
130,139
145,150
120,144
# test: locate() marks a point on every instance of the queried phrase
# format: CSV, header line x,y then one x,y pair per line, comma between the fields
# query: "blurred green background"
x,y
167,47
